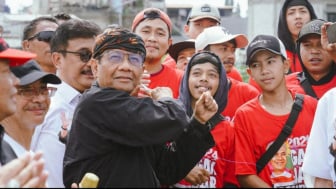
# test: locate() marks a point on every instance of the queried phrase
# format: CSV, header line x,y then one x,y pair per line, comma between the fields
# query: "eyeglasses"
x,y
117,57
45,36
33,92
84,55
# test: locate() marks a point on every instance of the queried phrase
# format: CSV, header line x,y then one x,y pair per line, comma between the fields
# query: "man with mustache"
x,y
71,50
32,104
128,135
27,170
318,73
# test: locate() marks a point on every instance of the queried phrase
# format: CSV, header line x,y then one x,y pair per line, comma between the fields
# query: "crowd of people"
x,y
138,110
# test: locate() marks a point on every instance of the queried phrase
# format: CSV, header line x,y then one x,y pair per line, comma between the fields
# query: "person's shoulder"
x,y
173,72
96,92
249,106
235,74
309,101
292,77
243,85
331,93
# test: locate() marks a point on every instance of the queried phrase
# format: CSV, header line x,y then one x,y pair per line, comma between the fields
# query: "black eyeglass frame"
x,y
45,36
83,56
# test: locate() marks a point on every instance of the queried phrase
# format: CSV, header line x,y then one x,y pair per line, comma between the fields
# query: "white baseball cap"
x,y
216,35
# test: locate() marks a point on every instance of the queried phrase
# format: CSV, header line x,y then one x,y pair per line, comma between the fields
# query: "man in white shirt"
x,y
71,50
32,104
318,163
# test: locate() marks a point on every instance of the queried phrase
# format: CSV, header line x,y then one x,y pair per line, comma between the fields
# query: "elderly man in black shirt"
x,y
129,141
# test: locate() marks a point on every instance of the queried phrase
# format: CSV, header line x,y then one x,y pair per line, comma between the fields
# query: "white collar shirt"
x,y
45,138
17,147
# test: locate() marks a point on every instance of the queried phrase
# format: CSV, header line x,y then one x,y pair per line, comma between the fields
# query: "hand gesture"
x,y
144,91
160,92
65,125
330,47
197,175
205,107
25,171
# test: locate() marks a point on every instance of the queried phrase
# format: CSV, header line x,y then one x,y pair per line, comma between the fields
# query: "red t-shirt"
x,y
169,61
256,128
254,84
295,66
167,77
238,94
219,160
293,83
235,74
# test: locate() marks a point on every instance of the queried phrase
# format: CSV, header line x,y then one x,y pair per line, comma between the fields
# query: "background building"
x,y
260,18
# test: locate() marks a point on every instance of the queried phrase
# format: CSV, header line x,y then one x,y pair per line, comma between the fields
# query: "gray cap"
x,y
312,27
204,11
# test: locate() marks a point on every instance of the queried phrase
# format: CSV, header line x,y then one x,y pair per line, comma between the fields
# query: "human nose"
x,y
315,50
152,36
297,14
39,96
125,62
263,69
204,77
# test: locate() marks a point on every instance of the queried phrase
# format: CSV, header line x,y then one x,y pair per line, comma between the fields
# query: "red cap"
x,y
15,57
151,13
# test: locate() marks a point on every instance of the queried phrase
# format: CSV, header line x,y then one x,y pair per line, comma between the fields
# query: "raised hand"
x,y
205,107
144,83
330,47
25,171
160,92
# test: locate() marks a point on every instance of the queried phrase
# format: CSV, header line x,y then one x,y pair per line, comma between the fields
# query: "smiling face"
x,y
121,75
203,77
71,68
32,109
155,34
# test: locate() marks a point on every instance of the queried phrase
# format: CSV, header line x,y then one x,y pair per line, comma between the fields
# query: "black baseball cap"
x,y
30,72
265,42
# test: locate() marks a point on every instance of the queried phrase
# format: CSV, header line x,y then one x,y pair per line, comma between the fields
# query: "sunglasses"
x,y
45,36
84,55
